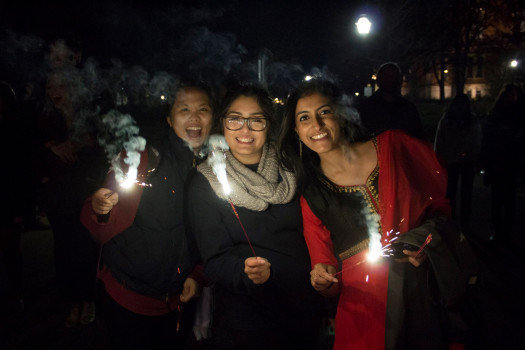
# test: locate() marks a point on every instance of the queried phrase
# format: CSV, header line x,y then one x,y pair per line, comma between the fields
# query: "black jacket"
x,y
155,255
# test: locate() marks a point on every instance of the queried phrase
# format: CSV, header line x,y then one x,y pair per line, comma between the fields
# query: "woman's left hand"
x,y
257,269
413,257
191,290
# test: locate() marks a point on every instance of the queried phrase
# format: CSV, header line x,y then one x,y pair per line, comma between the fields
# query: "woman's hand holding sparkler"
x,y
104,200
191,290
416,258
323,280
257,269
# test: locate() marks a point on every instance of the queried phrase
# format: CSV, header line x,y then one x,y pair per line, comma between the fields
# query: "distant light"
x,y
363,25
514,63
374,77
162,97
357,94
445,71
308,78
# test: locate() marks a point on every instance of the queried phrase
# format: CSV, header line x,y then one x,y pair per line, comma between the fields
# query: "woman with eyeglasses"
x,y
251,240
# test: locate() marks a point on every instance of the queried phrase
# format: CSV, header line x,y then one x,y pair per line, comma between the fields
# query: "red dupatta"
x,y
412,182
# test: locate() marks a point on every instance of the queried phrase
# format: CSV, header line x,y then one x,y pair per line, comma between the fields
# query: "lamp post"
x,y
363,26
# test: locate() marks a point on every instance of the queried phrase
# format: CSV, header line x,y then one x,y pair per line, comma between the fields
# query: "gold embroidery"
x,y
359,247
371,198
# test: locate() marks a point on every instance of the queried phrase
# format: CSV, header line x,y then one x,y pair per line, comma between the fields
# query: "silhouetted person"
x,y
386,109
458,142
502,155
69,168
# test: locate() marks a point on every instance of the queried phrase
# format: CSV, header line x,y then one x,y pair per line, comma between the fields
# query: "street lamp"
x,y
363,25
513,63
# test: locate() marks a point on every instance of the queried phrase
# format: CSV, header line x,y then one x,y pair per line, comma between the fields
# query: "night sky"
x,y
310,33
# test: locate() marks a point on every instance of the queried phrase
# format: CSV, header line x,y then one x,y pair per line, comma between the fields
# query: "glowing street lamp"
x,y
308,78
513,63
363,25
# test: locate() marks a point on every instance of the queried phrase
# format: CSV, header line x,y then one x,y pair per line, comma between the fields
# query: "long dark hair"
x,y
307,165
258,93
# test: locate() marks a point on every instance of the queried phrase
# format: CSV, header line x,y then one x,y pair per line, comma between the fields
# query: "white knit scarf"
x,y
254,190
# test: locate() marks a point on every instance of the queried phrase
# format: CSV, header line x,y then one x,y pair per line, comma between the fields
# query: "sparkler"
x,y
216,159
427,241
121,132
386,251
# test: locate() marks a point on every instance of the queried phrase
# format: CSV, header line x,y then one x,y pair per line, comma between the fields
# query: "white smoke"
x,y
374,245
121,132
216,147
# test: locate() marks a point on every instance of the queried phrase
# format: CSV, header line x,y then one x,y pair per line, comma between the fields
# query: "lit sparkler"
x,y
216,159
121,132
385,251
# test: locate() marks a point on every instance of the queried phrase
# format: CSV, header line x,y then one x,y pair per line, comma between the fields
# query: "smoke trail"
x,y
121,132
216,147
374,245
345,109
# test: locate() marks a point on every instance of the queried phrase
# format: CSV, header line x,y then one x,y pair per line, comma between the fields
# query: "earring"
x,y
300,149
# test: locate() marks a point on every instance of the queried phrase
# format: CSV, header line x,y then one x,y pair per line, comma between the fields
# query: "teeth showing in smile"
x,y
319,136
194,131
244,139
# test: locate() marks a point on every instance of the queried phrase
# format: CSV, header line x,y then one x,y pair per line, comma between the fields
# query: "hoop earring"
x,y
300,150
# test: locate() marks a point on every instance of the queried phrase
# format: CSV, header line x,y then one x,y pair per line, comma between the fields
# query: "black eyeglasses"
x,y
254,124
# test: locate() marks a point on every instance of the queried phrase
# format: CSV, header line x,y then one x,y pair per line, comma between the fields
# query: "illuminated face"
x,y
246,145
316,123
191,116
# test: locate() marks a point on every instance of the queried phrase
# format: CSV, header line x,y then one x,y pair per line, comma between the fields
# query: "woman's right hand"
x,y
103,200
257,269
322,279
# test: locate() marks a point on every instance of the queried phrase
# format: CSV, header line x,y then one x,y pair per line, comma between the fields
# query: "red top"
x,y
411,188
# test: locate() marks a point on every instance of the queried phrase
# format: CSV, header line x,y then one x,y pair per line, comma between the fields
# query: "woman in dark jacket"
x,y
251,239
150,270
